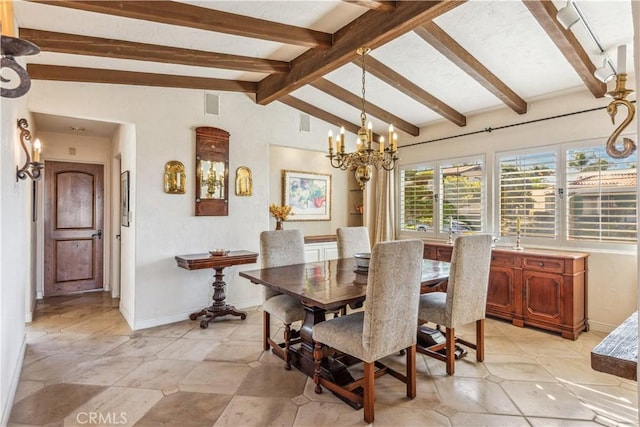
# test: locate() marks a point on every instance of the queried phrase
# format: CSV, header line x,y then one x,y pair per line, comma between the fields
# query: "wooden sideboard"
x,y
542,288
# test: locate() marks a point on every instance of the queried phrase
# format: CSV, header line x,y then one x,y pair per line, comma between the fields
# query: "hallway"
x,y
84,366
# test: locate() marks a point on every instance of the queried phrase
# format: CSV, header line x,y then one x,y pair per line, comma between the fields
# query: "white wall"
x,y
15,249
613,283
164,225
285,158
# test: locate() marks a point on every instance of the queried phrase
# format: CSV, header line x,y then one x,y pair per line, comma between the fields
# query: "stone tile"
x,y
236,351
511,367
258,411
330,414
560,422
474,395
103,371
247,332
114,406
54,367
615,404
499,344
272,381
393,415
552,346
215,377
185,349
157,374
141,347
471,419
98,344
26,388
576,371
217,331
468,366
546,399
52,403
172,330
186,409
56,342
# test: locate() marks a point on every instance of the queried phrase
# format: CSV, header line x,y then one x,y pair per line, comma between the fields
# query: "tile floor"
x,y
84,366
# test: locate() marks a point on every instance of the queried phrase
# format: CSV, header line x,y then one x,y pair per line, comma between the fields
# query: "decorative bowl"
x,y
362,260
219,252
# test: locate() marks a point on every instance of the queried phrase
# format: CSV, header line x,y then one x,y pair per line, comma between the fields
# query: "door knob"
x,y
97,234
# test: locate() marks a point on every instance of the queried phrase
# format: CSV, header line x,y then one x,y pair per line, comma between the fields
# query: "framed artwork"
x,y
308,194
124,199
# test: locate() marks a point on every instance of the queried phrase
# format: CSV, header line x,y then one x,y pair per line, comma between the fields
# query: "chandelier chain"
x,y
363,114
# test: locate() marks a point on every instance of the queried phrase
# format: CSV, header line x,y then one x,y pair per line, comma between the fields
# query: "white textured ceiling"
x,y
502,35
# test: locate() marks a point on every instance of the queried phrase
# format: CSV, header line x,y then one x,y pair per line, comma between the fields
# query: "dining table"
x,y
328,286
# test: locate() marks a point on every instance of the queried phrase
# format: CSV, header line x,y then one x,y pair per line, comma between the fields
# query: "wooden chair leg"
x,y
317,359
266,330
287,341
411,372
480,340
369,390
451,348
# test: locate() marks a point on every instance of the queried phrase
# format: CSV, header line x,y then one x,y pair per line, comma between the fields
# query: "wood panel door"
x,y
73,224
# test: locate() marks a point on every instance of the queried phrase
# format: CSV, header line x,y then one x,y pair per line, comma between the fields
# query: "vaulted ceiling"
x,y
430,60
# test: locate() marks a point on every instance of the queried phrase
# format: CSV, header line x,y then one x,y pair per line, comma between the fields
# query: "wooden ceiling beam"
x,y
412,90
545,13
447,46
344,95
186,15
49,41
94,75
382,6
372,29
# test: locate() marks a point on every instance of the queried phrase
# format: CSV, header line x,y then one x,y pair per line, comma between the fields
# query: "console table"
x,y
542,288
218,263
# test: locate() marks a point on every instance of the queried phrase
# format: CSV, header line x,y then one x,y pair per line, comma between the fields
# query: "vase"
x,y
279,225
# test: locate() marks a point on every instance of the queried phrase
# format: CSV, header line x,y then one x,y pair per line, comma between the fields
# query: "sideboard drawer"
x,y
551,265
504,260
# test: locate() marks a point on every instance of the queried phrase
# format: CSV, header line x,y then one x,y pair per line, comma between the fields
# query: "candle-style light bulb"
x,y
381,144
37,146
369,133
395,142
330,141
622,59
390,135
342,139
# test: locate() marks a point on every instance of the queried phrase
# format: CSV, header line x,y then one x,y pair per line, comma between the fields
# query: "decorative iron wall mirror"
x,y
212,172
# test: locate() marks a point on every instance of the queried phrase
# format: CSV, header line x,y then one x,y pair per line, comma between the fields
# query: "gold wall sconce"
x,y
175,178
244,181
32,167
619,95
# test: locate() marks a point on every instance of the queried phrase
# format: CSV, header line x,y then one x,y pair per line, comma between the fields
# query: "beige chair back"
x,y
352,240
393,292
278,248
468,279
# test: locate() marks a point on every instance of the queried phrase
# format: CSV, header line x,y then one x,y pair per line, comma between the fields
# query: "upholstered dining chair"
x,y
465,300
278,248
352,240
387,325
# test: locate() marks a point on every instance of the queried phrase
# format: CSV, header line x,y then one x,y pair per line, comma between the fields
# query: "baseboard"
x,y
178,317
600,327
126,314
13,386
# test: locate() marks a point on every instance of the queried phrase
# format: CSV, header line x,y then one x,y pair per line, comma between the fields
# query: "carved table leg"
x,y
219,307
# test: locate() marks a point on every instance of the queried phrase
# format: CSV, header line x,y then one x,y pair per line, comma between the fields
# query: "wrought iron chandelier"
x,y
365,157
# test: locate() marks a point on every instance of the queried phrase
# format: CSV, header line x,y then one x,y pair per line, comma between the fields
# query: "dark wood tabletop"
x,y
199,261
331,284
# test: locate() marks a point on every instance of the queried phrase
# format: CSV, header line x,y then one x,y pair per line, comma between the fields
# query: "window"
x,y
462,206
528,194
416,199
601,196
435,198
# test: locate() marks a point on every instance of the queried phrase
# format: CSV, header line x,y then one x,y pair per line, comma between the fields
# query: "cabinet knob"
x,y
541,264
